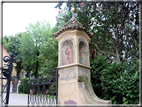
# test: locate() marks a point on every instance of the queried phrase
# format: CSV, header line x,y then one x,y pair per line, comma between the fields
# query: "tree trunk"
x,y
19,68
36,72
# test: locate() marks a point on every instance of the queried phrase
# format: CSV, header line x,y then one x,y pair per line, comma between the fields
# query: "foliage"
x,y
13,43
115,80
20,88
23,87
53,88
28,53
49,96
49,52
63,17
97,65
37,46
113,25
36,49
124,100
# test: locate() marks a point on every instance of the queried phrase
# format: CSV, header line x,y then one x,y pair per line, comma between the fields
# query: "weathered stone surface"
x,y
67,74
89,95
83,73
70,102
83,79
68,92
79,92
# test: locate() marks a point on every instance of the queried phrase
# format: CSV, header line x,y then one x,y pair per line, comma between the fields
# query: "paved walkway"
x,y
17,99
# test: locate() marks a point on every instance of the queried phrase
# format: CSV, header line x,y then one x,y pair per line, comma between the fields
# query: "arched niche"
x,y
67,54
83,52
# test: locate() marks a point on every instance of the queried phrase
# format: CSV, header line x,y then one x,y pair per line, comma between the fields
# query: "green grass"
x,y
49,96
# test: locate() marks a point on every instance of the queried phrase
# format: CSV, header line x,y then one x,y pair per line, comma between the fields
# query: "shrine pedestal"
x,y
75,87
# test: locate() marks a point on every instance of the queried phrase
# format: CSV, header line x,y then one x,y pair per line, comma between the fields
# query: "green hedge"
x,y
20,88
23,87
118,82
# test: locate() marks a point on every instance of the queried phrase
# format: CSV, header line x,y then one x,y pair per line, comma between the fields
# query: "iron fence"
x,y
43,90
6,75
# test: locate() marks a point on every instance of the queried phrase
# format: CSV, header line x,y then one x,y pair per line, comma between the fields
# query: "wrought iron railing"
x,y
43,90
6,75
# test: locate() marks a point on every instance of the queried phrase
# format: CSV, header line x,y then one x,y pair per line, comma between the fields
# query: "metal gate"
x,y
43,90
6,77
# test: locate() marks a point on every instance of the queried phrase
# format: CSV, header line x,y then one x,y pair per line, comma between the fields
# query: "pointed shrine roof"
x,y
72,24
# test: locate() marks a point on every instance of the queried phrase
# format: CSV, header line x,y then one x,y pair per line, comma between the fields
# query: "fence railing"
x,y
43,90
6,75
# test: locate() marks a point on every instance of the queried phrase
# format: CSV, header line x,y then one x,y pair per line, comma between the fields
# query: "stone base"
x,y
89,96
78,93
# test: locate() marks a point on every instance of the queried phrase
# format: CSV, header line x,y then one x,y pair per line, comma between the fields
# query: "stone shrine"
x,y
74,86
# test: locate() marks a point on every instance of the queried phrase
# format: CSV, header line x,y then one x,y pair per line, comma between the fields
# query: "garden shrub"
x,y
97,66
118,82
20,88
23,87
53,88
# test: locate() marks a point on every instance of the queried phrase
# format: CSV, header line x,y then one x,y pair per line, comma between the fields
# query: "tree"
x,y
113,25
49,51
33,42
13,43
